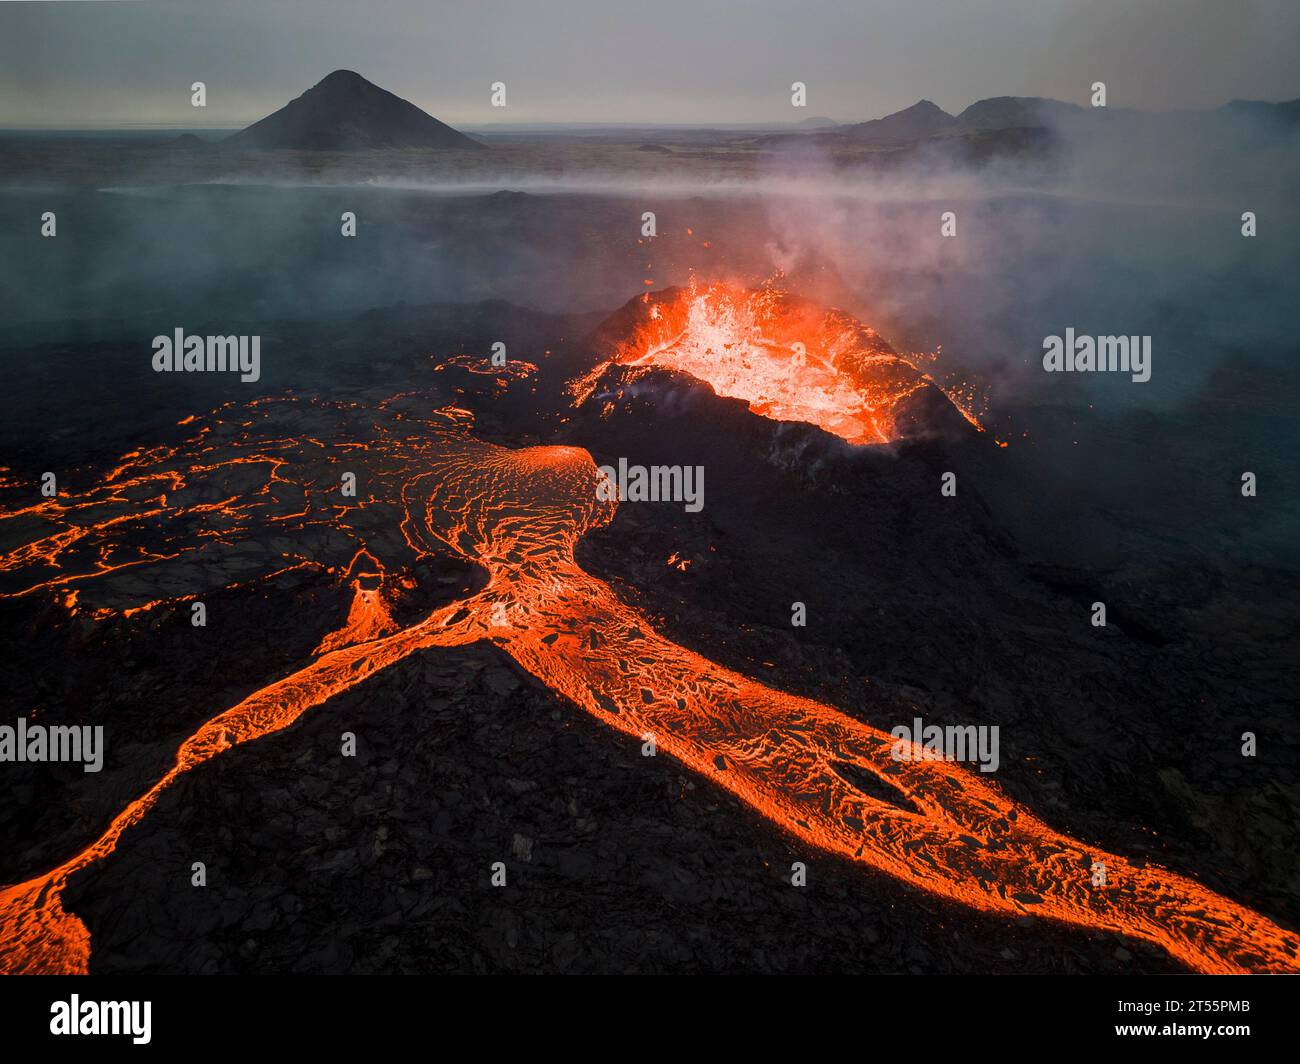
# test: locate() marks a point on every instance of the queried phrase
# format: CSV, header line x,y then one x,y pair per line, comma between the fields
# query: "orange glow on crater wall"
x,y
790,359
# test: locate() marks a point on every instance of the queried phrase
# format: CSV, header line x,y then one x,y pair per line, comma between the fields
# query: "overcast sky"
x,y
127,63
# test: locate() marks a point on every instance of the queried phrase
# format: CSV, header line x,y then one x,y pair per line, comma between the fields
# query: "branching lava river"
x,y
519,514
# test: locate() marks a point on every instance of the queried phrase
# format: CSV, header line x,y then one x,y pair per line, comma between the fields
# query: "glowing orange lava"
x,y
790,359
519,515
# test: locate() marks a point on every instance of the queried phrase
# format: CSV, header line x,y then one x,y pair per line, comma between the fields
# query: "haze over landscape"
x,y
814,253
128,65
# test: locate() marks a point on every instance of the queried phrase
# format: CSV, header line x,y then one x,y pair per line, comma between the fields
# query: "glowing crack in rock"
x,y
518,514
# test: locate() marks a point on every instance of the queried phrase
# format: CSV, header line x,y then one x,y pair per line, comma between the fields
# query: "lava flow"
x,y
519,514
789,358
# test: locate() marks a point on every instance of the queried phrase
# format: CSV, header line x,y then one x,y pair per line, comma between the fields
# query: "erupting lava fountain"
x,y
789,358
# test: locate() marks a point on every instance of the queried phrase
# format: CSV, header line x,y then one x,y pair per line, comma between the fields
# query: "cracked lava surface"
x,y
241,497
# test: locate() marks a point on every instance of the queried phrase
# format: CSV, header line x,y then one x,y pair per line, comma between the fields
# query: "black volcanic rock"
x,y
345,112
923,119
962,610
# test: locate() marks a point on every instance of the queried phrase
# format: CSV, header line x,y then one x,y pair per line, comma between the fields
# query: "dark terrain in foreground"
x,y
973,610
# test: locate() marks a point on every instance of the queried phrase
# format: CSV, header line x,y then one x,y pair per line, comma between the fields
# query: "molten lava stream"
x,y
519,514
38,936
778,752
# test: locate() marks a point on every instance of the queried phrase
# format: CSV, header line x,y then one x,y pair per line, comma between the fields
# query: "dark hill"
x,y
1015,112
345,112
923,119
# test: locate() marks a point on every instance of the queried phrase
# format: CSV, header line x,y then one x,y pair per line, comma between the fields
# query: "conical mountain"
x,y
345,112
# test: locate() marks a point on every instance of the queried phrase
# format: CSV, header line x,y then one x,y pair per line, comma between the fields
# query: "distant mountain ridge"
x,y
1286,113
345,112
1039,129
817,122
922,119
925,119
1015,112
